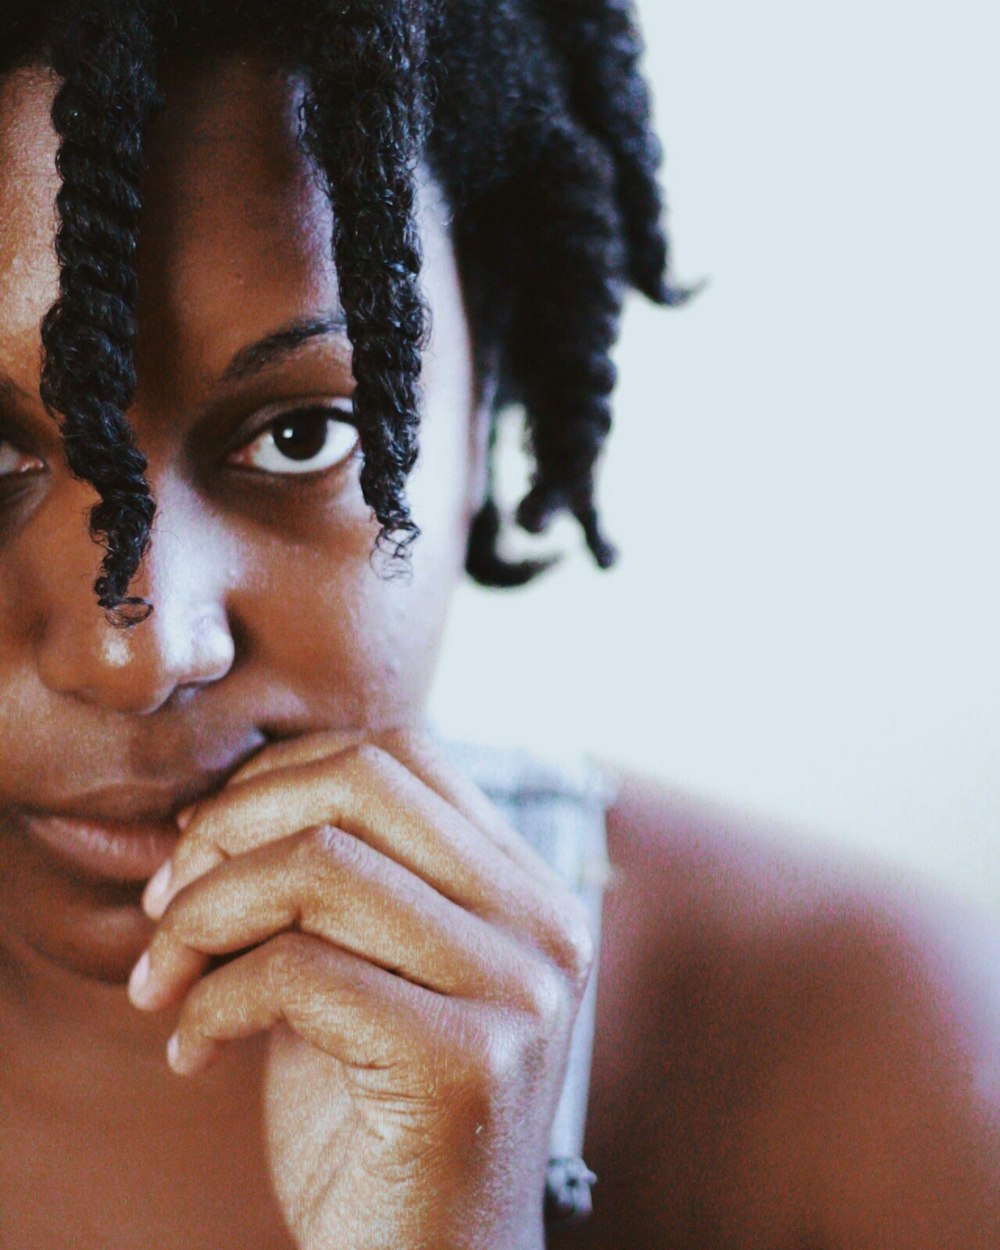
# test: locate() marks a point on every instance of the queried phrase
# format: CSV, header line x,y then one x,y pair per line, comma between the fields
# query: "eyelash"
x,y
330,414
286,421
8,448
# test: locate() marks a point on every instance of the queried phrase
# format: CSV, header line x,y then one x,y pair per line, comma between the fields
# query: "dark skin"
x,y
743,1090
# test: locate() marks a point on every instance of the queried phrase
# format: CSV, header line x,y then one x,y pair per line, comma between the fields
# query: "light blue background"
x,y
804,478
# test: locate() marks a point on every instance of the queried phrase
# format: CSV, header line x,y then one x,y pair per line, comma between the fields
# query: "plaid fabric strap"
x,y
558,804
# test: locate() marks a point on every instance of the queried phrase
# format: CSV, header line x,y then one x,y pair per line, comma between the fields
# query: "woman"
x,y
351,985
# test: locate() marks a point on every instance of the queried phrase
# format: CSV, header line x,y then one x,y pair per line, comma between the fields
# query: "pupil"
x,y
301,437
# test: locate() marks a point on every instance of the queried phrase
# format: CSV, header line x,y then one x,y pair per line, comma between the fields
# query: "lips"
x,y
118,850
120,831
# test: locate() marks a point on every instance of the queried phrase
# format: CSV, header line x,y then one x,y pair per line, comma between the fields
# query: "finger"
x,y
537,901
302,749
370,792
367,792
329,884
426,759
343,1005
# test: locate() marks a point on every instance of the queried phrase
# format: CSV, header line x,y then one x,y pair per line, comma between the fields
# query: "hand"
x,y
419,968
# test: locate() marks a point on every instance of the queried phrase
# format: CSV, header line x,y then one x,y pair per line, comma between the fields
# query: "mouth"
x,y
106,850
118,833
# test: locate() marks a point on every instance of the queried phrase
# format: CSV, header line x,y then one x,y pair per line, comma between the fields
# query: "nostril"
x,y
181,696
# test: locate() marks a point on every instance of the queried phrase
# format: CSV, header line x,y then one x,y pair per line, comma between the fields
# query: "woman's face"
x,y
269,619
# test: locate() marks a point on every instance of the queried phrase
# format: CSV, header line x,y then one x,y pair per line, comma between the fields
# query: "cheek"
x,y
370,655
354,646
360,637
355,637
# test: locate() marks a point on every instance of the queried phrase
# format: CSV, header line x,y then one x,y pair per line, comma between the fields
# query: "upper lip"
x,y
137,803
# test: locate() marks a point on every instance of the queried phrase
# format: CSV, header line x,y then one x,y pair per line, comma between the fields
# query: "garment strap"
x,y
558,804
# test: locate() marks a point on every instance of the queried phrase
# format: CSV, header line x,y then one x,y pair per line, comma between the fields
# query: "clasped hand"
x,y
418,968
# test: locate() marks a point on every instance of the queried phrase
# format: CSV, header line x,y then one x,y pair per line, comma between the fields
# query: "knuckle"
x,y
401,739
576,950
365,757
569,941
489,1054
289,950
414,748
512,1054
320,842
500,1059
289,956
364,770
327,849
492,1061
544,999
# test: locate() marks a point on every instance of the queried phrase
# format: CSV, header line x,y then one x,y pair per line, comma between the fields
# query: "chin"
x,y
89,928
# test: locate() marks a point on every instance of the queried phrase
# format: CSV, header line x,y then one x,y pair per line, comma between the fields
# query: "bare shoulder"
x,y
791,1051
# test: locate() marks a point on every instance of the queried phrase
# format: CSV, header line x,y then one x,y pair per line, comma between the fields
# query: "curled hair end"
x,y
127,613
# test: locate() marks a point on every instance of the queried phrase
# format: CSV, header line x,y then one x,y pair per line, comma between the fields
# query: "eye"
x,y
300,440
13,460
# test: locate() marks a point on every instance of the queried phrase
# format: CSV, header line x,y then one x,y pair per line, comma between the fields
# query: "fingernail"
x,y
173,1050
183,817
154,897
139,980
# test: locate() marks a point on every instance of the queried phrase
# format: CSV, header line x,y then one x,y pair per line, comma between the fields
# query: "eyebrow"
x,y
249,360
280,343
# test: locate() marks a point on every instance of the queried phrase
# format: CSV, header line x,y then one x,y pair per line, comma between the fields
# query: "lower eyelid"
x,y
334,418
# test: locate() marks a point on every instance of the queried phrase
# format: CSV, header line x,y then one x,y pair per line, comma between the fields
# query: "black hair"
x,y
533,117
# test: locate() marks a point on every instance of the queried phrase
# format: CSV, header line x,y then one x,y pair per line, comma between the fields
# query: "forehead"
x,y
236,216
236,227
28,186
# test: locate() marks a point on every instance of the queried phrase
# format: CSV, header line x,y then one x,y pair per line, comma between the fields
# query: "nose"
x,y
184,645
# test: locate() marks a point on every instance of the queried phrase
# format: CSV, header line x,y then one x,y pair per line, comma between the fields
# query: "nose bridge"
x,y
186,642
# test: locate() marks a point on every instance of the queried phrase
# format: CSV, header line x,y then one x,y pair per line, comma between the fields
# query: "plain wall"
x,y
803,475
